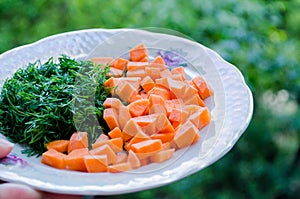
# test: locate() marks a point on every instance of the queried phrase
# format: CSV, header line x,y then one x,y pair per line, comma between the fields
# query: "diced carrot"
x,y
112,102
122,157
115,72
174,103
117,168
115,133
54,159
102,138
202,86
117,84
99,144
120,64
147,146
200,118
195,99
156,99
163,155
177,77
191,83
134,81
147,83
138,52
161,67
140,95
145,161
185,135
150,129
58,145
191,109
124,116
163,125
131,128
136,66
116,144
140,136
167,145
157,104
126,91
95,163
112,82
157,108
75,160
138,107
161,91
179,70
105,150
162,82
147,123
177,88
108,82
78,140
176,125
178,115
158,60
145,119
126,137
164,137
165,73
145,59
133,160
111,118
169,106
126,145
136,73
136,97
102,60
196,138
152,72
189,91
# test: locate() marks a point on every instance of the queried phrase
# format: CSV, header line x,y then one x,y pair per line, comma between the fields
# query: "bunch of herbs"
x,y
50,101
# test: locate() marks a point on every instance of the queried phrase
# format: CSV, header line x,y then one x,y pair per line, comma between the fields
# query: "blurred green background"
x,y
260,37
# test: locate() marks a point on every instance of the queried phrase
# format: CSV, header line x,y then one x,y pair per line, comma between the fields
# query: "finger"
x,y
5,147
18,191
58,196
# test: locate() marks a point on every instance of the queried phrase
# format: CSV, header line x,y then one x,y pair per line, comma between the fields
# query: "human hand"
x,y
19,191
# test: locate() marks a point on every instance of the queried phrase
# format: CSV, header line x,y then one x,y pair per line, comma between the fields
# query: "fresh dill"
x,y
50,101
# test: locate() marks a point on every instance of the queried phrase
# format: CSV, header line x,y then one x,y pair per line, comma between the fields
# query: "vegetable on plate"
x,y
151,112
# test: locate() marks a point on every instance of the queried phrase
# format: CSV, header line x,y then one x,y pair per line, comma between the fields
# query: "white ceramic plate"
x,y
231,107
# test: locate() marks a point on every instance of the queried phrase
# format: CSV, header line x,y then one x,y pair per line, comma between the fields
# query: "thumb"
x,y
5,147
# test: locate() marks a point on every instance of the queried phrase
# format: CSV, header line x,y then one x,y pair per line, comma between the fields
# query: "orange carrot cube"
x,y
163,155
58,145
78,140
95,163
117,168
54,158
138,53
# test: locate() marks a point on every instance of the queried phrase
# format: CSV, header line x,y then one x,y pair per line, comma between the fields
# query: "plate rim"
x,y
170,180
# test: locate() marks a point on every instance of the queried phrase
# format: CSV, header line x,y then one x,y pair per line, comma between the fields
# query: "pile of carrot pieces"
x,y
152,112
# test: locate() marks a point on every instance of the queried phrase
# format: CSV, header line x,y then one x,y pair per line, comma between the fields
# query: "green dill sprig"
x,y
50,101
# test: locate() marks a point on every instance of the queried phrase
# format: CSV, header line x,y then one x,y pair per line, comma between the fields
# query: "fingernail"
x,y
6,143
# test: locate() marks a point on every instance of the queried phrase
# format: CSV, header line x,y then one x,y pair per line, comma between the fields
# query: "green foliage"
x,y
260,37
